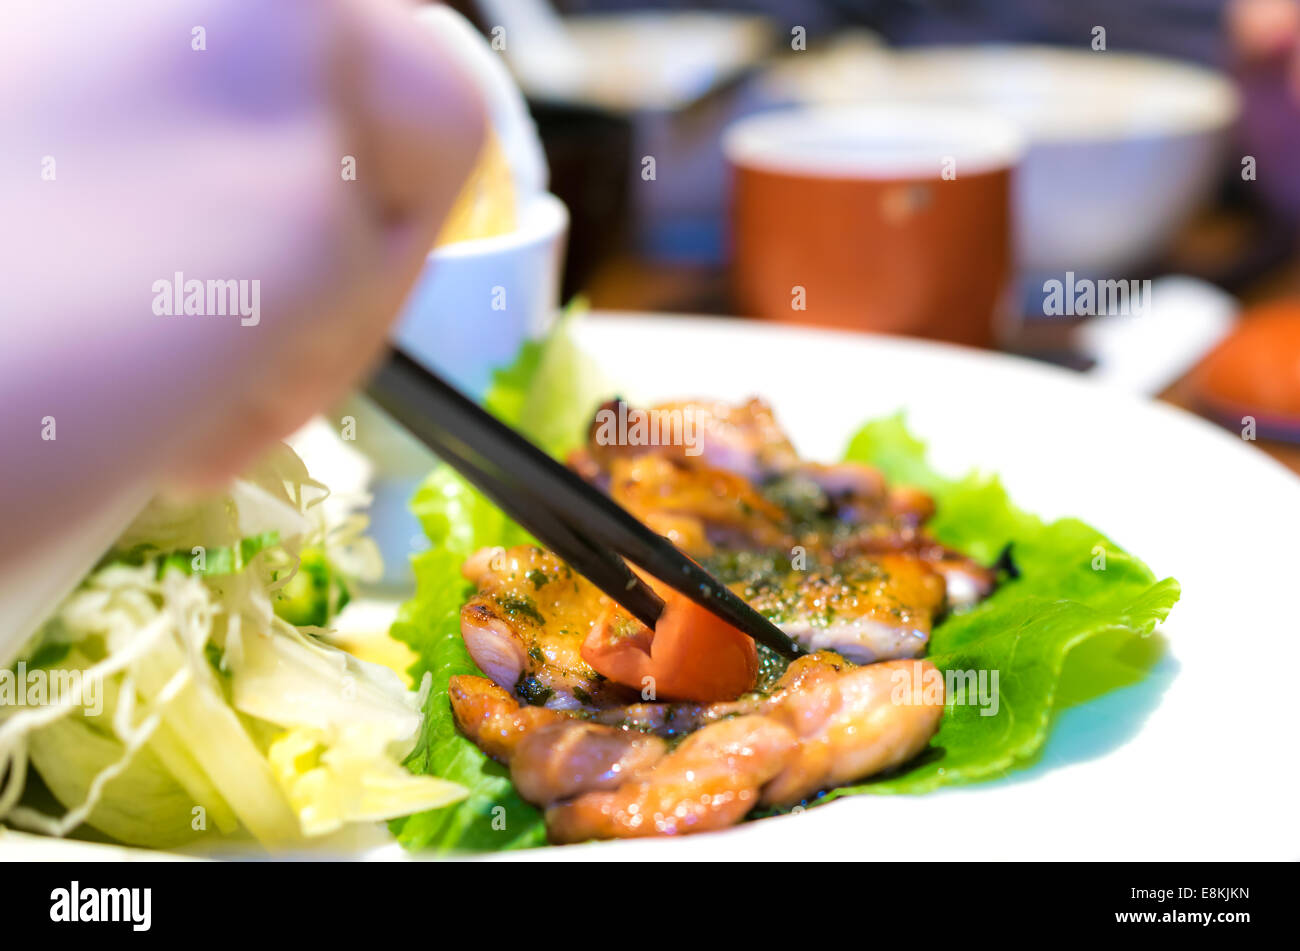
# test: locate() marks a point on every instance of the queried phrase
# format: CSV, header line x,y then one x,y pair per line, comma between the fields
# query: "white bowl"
x,y
477,301
1123,148
472,308
639,60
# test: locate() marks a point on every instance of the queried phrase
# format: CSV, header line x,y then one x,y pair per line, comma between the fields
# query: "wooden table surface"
x,y
628,282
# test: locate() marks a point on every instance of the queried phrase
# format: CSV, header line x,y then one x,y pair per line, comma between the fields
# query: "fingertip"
x,y
419,113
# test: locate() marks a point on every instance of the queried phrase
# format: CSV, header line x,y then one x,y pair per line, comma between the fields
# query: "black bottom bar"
x,y
440,901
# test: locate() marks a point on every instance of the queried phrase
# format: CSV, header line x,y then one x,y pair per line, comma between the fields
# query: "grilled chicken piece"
x,y
831,553
871,588
825,722
744,439
551,756
966,582
493,719
699,507
567,759
845,510
852,723
856,494
709,782
714,499
525,627
865,608
813,688
676,719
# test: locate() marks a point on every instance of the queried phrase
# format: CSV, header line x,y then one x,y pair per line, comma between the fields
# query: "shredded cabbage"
x,y
202,711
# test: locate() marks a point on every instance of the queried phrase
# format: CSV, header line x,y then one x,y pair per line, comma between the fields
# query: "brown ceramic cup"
x,y
883,218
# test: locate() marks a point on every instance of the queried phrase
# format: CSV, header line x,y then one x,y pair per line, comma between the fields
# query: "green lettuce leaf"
x,y
549,393
1073,625
458,521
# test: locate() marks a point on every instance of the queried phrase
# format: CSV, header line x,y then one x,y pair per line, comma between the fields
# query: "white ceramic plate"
x,y
1197,761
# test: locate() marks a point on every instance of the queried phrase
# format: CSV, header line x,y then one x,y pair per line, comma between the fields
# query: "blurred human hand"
x,y
1262,29
215,139
1264,36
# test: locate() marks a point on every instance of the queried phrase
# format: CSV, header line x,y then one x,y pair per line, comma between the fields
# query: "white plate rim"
x,y
851,828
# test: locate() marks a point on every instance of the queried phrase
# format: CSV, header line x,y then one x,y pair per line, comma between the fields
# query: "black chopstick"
x,y
607,571
581,524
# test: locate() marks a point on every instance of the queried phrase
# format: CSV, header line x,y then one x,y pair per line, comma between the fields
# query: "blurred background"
x,y
1110,186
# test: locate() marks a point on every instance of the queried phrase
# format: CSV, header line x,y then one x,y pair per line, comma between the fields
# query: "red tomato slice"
x,y
690,655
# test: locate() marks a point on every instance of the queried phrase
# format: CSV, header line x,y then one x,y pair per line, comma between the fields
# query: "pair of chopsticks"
x,y
587,529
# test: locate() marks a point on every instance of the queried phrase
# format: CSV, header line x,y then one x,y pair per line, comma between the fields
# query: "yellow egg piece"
x,y
486,204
